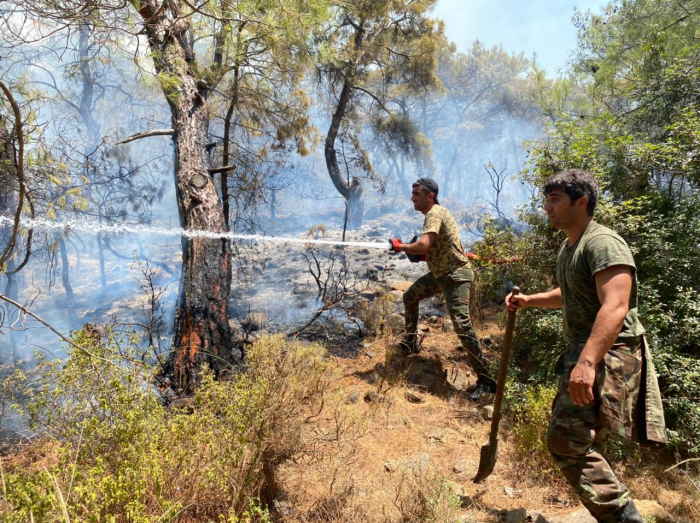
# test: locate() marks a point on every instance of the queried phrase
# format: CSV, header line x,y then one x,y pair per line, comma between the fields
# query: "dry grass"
x,y
365,460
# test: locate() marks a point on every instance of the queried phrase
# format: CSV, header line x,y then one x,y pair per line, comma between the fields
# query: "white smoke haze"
x,y
112,206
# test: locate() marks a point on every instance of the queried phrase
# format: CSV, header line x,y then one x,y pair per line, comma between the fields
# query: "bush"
x,y
427,498
125,457
530,408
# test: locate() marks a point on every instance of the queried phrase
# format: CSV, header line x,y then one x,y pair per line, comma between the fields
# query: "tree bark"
x,y
202,334
351,191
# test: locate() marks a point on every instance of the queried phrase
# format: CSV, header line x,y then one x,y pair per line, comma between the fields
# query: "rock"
x,y
458,378
232,325
463,465
283,507
373,397
435,434
418,464
408,422
413,397
580,516
391,465
371,353
648,508
512,492
423,380
255,321
400,286
363,251
353,397
398,296
487,412
375,234
521,515
518,515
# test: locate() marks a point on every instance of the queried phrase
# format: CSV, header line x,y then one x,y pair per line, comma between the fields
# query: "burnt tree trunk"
x,y
202,334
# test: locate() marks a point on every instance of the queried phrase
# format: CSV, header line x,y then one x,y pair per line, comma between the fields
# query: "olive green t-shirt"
x,y
447,253
596,250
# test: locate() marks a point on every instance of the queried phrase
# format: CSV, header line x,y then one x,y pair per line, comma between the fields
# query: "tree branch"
x,y
146,134
373,96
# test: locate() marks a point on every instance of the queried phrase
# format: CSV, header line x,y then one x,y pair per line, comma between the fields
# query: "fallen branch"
x,y
146,134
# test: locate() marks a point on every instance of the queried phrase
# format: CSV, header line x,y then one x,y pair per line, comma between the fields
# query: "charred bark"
x,y
202,334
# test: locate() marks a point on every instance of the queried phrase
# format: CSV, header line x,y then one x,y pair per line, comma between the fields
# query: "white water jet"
x,y
93,227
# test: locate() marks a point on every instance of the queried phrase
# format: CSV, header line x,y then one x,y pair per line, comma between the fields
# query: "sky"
x,y
542,27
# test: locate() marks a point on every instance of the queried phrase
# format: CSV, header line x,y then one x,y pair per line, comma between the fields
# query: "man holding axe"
x,y
607,381
450,274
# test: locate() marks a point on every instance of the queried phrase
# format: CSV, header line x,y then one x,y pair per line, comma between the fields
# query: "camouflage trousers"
x,y
577,434
455,287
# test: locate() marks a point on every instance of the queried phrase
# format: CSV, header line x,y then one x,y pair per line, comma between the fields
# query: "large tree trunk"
x,y
202,334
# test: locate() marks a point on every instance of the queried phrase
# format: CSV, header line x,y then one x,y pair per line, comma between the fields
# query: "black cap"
x,y
429,184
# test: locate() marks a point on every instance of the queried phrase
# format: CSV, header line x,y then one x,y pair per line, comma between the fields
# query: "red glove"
x,y
394,244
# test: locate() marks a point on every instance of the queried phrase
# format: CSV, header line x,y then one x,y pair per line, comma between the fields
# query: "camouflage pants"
x,y
577,434
455,287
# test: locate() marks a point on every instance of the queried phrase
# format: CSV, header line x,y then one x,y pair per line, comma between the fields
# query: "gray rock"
x,y
436,434
283,507
520,515
463,465
459,379
512,492
371,354
419,464
391,465
373,397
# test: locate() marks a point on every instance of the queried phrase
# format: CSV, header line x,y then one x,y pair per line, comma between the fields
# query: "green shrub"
x,y
530,408
123,456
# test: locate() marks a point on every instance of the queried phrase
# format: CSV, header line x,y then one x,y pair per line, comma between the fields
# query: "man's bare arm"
x,y
422,246
614,286
545,300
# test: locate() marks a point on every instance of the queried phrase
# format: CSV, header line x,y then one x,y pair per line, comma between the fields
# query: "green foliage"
x,y
124,456
530,408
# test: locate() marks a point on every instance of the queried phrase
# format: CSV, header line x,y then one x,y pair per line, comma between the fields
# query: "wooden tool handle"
x,y
503,369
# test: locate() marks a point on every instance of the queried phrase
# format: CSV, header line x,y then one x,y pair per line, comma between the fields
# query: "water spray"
x,y
93,227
